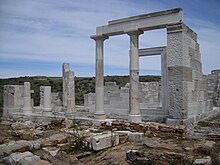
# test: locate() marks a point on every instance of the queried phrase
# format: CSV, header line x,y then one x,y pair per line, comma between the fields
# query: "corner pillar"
x,y
99,83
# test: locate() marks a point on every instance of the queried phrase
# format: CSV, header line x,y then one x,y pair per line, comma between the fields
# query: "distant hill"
x,y
83,85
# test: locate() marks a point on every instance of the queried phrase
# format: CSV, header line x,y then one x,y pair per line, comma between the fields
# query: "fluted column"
x,y
99,83
134,102
27,98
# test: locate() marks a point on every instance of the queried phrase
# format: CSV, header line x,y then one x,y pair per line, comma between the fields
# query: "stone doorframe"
x,y
132,26
164,75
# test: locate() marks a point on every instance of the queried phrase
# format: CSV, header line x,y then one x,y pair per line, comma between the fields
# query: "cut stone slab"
x,y
203,161
103,141
135,137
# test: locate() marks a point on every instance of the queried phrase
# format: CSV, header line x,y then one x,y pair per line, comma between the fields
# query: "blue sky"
x,y
36,37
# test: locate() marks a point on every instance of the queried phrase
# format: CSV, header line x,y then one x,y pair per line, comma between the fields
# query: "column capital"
x,y
134,32
99,37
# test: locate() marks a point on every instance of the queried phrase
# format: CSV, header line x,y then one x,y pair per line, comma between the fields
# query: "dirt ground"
x,y
154,149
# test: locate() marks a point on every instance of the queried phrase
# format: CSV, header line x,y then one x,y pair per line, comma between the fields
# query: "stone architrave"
x,y
66,69
27,108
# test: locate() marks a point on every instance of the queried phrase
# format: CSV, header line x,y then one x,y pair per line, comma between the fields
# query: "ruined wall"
x,y
116,101
213,87
13,99
187,88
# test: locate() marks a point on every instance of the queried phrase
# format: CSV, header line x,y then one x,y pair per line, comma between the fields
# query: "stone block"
x,y
203,161
135,137
196,65
100,142
201,96
192,109
178,99
196,75
179,73
170,121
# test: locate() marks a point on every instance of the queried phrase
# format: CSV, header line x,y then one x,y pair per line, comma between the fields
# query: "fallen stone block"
x,y
135,137
103,141
203,161
25,158
18,146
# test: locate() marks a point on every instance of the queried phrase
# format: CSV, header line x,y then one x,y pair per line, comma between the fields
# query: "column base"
x,y
134,118
100,116
174,121
27,110
68,122
47,113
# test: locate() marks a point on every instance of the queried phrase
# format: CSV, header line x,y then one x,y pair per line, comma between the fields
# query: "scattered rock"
x,y
203,161
23,125
54,140
52,150
84,154
136,157
174,155
30,134
25,158
18,146
152,143
204,147
214,136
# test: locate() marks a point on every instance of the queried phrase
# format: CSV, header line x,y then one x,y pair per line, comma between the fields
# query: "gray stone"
x,y
25,158
135,137
18,146
103,141
151,143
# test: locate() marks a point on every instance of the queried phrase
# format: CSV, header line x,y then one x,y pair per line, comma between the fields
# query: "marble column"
x,y
66,69
70,92
27,98
47,109
134,102
99,87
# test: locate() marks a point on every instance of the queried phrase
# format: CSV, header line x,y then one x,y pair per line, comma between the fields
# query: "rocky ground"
x,y
109,142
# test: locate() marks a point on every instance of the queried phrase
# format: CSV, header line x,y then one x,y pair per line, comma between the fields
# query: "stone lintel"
x,y
151,51
181,27
145,16
143,22
182,73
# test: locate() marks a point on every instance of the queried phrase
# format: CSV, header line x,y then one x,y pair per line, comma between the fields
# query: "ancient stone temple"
x,y
184,90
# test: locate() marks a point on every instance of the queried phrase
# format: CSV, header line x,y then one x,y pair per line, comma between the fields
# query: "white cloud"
x,y
59,31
